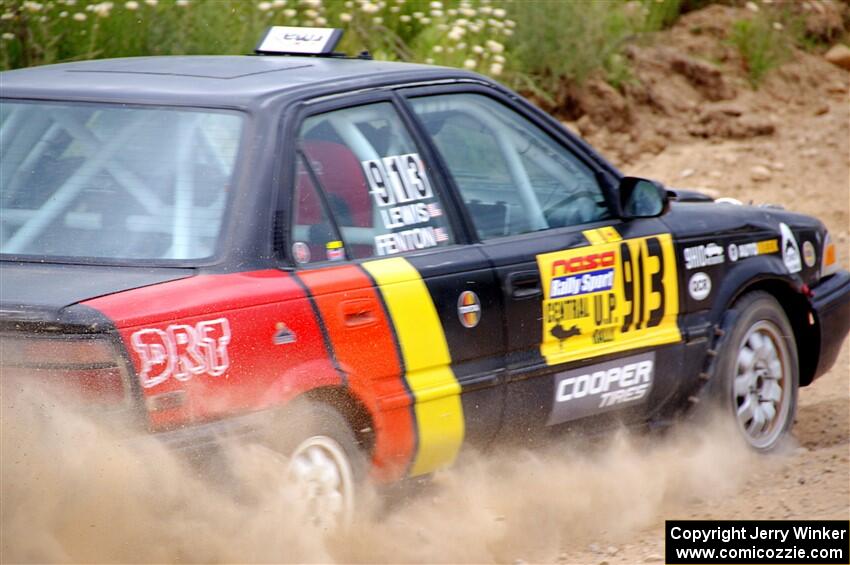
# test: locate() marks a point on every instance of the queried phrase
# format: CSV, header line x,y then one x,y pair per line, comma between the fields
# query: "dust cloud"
x,y
76,489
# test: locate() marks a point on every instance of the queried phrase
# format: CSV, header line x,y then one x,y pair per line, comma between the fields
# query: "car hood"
x,y
42,292
698,219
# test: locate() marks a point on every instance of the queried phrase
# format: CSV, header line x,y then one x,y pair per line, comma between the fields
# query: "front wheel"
x,y
758,371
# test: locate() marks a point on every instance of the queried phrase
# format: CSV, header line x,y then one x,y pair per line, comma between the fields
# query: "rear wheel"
x,y
326,463
758,371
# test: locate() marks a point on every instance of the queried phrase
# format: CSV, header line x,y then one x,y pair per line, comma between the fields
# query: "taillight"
x,y
829,260
85,368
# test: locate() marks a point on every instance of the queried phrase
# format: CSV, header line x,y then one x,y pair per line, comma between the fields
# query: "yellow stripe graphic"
x,y
438,409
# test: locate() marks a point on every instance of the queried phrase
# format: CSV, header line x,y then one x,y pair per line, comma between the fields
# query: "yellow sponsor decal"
x,y
598,236
427,362
767,246
609,297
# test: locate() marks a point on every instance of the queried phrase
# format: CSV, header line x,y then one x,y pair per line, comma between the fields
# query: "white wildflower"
x,y
485,10
429,61
377,20
456,33
80,17
752,6
131,5
477,49
437,13
508,32
510,23
32,6
63,14
321,21
152,3
349,4
436,5
70,2
499,59
312,3
494,46
442,27
395,9
468,12
290,13
452,12
496,69
369,8
500,12
437,49
182,3
103,9
312,14
8,36
461,46
469,64
345,17
278,4
264,6
7,16
418,15
425,21
778,26
405,18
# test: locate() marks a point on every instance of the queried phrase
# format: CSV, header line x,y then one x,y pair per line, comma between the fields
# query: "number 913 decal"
x,y
609,297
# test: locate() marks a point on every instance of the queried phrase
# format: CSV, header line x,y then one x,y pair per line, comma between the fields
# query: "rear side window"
x,y
372,186
114,182
513,177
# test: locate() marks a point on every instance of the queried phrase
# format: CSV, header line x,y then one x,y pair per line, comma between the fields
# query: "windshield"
x,y
114,182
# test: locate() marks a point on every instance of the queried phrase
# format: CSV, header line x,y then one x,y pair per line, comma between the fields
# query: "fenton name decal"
x,y
182,350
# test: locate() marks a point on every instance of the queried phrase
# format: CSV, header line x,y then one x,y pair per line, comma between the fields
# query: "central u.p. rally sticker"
x,y
608,297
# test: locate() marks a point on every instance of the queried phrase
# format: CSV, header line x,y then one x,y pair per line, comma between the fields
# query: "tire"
x,y
757,373
326,462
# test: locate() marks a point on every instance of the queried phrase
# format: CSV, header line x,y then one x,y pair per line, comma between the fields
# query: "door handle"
x,y
359,312
524,284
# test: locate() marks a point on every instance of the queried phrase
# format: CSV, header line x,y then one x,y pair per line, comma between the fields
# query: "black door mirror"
x,y
642,198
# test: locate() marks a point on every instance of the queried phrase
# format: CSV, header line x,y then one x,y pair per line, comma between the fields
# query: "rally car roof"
x,y
208,80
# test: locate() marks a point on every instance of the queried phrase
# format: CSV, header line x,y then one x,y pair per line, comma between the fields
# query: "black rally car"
x,y
417,249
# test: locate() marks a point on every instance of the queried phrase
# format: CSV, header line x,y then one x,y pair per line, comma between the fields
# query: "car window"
x,y
315,237
114,181
512,176
374,183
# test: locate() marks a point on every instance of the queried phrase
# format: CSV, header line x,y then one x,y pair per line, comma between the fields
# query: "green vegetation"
x,y
761,46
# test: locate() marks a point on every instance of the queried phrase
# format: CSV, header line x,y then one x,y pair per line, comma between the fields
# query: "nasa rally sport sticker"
x,y
809,256
468,309
601,388
790,250
699,287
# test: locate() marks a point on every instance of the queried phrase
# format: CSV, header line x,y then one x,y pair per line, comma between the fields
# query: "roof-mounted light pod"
x,y
285,40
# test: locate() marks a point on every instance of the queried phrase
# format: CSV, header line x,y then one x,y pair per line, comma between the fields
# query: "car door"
x,y
591,302
412,315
